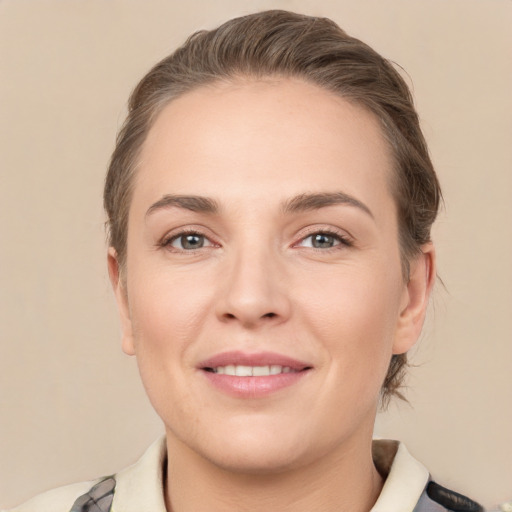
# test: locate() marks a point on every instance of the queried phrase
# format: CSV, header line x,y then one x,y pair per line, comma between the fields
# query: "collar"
x,y
405,477
140,486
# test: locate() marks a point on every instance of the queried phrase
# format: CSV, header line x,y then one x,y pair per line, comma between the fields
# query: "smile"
x,y
253,375
251,371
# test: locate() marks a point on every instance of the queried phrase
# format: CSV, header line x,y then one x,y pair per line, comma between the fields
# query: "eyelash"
x,y
167,241
342,239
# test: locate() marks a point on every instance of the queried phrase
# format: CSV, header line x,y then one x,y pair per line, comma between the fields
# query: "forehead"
x,y
256,135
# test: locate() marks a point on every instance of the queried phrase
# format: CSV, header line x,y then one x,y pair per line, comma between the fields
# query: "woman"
x,y
269,203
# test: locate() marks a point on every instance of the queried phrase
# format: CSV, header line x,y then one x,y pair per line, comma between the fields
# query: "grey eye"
x,y
323,241
189,241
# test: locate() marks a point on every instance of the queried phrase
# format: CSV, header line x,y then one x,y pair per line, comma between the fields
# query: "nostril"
x,y
249,318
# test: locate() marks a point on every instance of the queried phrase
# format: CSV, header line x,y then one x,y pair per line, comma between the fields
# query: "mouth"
x,y
253,375
253,371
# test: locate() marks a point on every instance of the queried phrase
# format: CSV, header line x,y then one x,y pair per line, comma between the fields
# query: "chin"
x,y
258,459
256,449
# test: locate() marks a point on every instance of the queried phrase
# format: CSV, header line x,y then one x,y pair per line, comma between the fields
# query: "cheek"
x,y
357,300
168,312
167,307
353,314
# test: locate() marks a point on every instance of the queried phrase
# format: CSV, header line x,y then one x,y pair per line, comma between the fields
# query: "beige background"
x,y
71,404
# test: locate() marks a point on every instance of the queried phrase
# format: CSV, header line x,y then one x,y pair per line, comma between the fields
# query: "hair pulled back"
x,y
284,44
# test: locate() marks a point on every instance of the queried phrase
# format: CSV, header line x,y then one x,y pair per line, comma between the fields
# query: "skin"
x,y
259,284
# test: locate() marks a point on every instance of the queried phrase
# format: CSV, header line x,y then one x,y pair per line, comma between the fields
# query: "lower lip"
x,y
253,387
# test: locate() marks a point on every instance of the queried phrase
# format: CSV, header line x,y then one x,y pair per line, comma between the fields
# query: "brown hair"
x,y
285,44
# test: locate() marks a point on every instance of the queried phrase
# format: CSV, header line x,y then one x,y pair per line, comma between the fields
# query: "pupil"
x,y
323,241
192,241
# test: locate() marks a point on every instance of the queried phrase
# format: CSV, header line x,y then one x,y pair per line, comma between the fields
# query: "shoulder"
x,y
135,488
438,498
408,485
60,499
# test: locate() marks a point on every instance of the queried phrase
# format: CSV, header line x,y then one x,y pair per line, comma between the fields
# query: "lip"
x,y
253,387
253,359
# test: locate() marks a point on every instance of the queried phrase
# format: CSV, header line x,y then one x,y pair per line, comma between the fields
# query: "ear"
x,y
415,298
119,288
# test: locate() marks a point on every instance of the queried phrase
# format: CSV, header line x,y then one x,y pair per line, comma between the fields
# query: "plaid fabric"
x,y
98,499
435,498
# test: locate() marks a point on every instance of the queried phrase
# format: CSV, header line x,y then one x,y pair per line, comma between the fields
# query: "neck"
x,y
344,480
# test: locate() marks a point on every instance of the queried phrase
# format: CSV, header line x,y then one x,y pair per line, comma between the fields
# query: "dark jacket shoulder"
x,y
437,498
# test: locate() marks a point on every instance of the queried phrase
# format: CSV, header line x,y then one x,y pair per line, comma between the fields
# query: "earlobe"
x,y
119,288
415,299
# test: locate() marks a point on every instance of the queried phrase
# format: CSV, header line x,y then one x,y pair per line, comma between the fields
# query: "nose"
x,y
254,290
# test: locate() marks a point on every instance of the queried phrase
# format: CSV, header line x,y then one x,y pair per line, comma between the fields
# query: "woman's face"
x,y
264,296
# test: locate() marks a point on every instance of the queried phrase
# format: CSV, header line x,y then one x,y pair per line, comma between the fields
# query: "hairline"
x,y
168,96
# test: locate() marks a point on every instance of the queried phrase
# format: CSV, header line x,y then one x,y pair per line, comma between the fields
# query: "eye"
x,y
323,240
189,241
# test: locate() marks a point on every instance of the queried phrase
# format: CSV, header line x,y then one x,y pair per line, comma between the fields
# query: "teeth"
x,y
252,371
243,371
275,369
260,371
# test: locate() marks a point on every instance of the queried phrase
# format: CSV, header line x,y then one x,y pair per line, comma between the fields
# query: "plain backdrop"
x,y
71,404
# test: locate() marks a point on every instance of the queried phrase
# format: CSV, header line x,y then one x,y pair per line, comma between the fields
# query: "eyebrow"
x,y
300,203
198,204
306,202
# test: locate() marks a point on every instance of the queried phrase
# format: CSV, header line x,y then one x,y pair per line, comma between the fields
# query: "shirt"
x,y
408,487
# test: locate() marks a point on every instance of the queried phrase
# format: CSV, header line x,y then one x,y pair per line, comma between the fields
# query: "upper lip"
x,y
239,358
